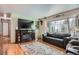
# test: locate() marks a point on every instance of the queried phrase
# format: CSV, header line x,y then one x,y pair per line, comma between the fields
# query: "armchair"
x,y
73,47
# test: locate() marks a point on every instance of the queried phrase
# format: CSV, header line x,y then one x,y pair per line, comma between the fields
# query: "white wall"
x,y
13,27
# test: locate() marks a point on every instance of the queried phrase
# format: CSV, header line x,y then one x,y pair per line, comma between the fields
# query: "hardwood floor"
x,y
9,48
1,46
15,49
3,41
12,49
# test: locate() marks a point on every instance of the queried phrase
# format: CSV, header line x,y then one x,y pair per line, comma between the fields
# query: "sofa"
x,y
58,39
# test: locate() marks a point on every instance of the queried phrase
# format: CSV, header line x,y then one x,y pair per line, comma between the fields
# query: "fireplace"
x,y
26,37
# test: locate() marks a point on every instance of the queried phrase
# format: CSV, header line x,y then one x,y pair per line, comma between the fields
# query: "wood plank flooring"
x,y
3,40
1,46
12,49
15,49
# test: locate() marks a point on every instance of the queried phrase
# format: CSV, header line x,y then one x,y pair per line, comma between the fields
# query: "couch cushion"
x,y
49,34
59,35
55,39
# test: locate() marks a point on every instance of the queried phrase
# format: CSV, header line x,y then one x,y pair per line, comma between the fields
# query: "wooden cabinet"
x,y
27,34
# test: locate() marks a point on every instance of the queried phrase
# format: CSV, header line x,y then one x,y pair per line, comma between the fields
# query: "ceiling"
x,y
36,10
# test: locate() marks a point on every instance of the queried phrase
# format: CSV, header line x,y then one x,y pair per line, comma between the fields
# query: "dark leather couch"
x,y
57,39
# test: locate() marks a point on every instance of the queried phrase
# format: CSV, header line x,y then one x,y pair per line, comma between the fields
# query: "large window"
x,y
69,25
72,25
58,26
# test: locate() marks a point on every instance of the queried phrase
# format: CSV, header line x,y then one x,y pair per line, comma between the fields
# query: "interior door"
x,y
5,29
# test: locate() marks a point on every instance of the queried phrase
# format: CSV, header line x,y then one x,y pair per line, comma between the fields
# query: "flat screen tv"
x,y
24,24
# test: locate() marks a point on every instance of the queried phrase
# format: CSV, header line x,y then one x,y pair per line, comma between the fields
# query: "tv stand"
x,y
23,35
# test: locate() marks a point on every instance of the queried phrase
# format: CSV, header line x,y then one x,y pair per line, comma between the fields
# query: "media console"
x,y
23,35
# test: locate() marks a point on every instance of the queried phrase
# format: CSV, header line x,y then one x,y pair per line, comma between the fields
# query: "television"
x,y
24,24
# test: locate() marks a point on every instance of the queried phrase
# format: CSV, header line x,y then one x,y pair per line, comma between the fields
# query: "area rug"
x,y
37,48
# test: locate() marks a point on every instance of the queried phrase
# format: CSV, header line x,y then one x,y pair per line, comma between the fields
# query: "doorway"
x,y
4,33
1,46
